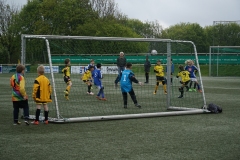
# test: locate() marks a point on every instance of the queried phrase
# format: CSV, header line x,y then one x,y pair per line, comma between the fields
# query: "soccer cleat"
x,y
103,99
200,90
46,122
16,123
125,107
26,122
194,90
154,92
138,105
98,98
91,93
87,92
165,92
35,122
190,90
181,96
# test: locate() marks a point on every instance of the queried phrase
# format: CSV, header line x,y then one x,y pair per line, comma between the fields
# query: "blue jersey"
x,y
125,82
97,76
191,70
172,68
91,65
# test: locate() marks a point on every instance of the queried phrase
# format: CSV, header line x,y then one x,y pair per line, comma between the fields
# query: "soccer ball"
x,y
153,52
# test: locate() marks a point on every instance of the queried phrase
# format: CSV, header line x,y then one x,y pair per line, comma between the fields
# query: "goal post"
x,y
223,57
51,51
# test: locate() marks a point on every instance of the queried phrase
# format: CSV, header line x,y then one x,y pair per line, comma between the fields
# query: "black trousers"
x,y
147,76
132,95
20,104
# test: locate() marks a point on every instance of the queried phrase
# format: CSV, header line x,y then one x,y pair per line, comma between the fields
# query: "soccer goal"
x,y
222,60
51,51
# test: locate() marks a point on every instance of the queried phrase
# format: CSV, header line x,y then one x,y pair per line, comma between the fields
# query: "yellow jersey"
x,y
42,89
159,70
66,71
184,76
87,75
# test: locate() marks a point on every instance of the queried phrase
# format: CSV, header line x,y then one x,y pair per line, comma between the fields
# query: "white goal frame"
x,y
177,110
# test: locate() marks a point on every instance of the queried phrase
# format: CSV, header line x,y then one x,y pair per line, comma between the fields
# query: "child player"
x,y
172,71
41,94
19,95
66,77
158,69
97,76
192,69
127,78
87,78
91,64
185,79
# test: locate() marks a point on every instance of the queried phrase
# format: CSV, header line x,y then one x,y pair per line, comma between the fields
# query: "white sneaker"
x,y
91,93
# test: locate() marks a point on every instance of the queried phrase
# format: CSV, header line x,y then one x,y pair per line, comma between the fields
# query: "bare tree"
x,y
105,8
7,36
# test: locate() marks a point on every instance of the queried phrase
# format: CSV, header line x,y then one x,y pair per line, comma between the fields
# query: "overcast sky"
x,y
171,12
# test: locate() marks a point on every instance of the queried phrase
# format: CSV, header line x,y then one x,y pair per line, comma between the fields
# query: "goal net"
x,y
51,51
224,60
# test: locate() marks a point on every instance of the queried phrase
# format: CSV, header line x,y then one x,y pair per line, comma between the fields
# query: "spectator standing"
x,y
121,62
147,66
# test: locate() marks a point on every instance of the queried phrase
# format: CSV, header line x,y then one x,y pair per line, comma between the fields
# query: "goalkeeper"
x,y
158,69
87,78
126,79
19,95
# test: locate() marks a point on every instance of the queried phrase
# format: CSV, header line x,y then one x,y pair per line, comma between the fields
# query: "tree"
x,y
227,34
110,29
189,32
8,36
59,17
105,8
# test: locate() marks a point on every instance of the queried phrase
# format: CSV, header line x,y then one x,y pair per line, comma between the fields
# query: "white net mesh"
x,y
80,50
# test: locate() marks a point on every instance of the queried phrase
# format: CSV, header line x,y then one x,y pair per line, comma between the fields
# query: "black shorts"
x,y
185,83
20,104
86,81
66,79
158,78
